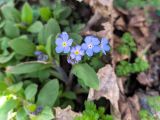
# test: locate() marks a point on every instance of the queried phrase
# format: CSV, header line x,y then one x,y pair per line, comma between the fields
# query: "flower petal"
x,y
104,52
81,52
66,49
78,47
72,50
84,46
106,47
64,36
104,41
96,49
78,58
72,55
38,53
88,39
59,49
95,41
59,41
89,52
69,42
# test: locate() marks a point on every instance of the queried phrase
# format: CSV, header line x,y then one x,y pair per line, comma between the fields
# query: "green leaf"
x,y
65,13
30,107
124,49
87,74
15,87
49,93
61,12
124,68
6,107
23,46
46,114
96,63
11,30
21,114
69,95
45,13
27,14
4,59
77,28
10,13
35,27
41,75
51,28
45,2
76,37
31,91
64,22
3,86
49,47
28,67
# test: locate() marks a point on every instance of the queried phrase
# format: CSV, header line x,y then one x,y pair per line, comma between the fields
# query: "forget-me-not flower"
x,y
76,54
63,43
104,45
41,56
91,45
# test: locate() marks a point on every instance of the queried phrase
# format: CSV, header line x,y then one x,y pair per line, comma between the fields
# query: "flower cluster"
x,y
91,46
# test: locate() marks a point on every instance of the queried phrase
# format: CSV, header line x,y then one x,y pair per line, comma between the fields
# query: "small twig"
x,y
91,22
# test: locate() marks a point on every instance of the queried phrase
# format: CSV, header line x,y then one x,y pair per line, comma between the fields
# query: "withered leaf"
x,y
65,114
108,88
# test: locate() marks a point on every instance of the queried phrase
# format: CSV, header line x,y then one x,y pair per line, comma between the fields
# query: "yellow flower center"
x,y
64,44
76,52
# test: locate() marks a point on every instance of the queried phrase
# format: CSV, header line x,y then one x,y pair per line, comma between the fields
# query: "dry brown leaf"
x,y
128,109
144,79
154,71
103,7
65,114
108,88
116,57
120,24
121,82
137,26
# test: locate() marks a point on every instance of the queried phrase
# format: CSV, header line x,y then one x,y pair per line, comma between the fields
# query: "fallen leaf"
x,y
144,79
65,114
120,24
127,109
154,71
116,57
108,88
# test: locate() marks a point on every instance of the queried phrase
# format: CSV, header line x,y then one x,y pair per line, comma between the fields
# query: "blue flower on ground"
x,y
76,54
41,56
91,45
104,45
63,43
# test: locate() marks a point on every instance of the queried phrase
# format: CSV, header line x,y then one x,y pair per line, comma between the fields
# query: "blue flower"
x,y
63,43
38,110
91,45
76,54
104,45
71,61
41,56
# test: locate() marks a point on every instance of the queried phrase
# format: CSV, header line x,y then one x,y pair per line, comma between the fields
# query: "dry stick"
x,y
91,22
